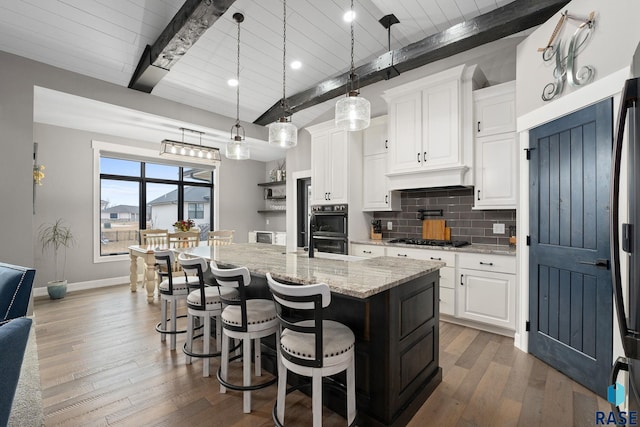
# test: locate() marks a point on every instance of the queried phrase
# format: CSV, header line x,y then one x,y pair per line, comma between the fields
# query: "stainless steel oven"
x,y
329,229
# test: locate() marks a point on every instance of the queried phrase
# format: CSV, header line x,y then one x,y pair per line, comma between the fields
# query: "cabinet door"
x,y
487,297
374,182
374,138
319,174
367,251
441,125
496,164
337,166
405,133
495,114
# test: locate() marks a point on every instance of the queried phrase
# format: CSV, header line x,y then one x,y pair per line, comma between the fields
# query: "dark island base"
x,y
397,345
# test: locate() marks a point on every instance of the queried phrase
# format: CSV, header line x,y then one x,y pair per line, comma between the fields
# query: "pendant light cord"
x,y
353,84
238,80
284,58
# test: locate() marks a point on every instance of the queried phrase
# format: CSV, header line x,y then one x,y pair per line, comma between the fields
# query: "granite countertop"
x,y
353,276
473,248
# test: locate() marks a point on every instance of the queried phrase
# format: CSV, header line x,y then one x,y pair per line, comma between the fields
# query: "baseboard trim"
x,y
476,325
81,286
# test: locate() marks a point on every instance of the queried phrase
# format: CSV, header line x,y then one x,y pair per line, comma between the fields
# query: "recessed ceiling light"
x,y
349,16
232,82
296,65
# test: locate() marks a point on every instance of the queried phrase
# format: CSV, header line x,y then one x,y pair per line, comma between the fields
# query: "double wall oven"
x,y
329,229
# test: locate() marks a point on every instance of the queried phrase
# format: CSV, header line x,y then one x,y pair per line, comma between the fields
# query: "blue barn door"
x,y
570,294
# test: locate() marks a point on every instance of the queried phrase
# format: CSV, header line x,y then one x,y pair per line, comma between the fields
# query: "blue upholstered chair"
x,y
15,290
13,341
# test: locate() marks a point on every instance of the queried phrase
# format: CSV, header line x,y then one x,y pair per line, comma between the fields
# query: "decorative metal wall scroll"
x,y
566,67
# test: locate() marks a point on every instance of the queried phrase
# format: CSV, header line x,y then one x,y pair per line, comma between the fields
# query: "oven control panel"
x,y
330,208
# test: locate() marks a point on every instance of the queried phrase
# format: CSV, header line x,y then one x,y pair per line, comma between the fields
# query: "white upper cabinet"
x,y
495,109
375,192
329,167
496,157
430,129
374,138
336,166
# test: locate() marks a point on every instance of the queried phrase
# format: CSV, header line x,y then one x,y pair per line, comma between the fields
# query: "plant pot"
x,y
57,289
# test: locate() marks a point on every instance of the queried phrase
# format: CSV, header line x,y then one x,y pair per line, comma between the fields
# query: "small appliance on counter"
x,y
376,229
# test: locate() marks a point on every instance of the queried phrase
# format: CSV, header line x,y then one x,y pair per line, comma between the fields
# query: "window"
x,y
137,195
196,211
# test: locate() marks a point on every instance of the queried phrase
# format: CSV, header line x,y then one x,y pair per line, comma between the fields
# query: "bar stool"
x,y
203,304
313,347
172,290
247,320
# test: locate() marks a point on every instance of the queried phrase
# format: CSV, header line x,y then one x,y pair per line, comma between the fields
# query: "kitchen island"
x,y
390,304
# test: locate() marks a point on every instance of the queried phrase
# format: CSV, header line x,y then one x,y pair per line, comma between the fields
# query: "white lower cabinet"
x,y
366,251
486,289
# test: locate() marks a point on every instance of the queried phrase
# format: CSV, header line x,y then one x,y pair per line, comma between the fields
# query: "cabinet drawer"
x,y
447,277
430,255
498,263
447,301
368,251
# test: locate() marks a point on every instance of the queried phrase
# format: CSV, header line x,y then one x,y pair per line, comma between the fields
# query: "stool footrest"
x,y
236,387
169,332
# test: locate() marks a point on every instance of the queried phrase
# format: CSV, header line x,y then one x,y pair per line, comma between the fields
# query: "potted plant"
x,y
56,236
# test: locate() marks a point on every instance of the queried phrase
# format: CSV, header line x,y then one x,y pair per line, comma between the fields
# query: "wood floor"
x,y
102,364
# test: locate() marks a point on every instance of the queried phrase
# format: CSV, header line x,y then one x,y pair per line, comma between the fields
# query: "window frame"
x,y
113,150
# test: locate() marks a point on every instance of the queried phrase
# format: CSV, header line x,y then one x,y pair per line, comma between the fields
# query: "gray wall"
x,y
67,192
18,76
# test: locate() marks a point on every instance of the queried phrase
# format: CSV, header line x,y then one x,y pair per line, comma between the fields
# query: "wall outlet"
x,y
494,227
498,228
389,225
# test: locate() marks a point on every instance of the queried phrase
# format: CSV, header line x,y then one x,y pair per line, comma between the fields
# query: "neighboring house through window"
x,y
137,195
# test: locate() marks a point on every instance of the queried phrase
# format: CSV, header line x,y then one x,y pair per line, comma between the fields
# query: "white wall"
x,y
612,43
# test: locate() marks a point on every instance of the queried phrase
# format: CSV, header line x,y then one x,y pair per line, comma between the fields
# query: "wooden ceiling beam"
x,y
516,16
186,27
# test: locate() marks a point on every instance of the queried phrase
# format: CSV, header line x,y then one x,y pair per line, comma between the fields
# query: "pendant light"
x,y
237,148
283,133
353,112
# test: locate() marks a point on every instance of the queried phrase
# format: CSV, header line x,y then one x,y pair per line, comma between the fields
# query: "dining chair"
x,y
154,238
184,239
220,237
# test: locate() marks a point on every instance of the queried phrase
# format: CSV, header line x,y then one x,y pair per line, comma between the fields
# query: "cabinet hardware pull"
x,y
461,276
424,156
404,255
486,263
386,199
418,157
478,194
366,252
386,143
325,196
478,126
436,259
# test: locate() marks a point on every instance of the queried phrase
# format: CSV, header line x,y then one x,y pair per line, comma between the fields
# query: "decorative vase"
x,y
279,175
57,289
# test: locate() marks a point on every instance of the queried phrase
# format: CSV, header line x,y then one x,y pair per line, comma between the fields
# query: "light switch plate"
x,y
498,228
389,225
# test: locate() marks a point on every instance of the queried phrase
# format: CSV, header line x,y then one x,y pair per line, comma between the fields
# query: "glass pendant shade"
x,y
353,113
237,149
283,134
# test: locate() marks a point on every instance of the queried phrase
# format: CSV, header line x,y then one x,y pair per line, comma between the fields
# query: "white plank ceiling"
x,y
105,39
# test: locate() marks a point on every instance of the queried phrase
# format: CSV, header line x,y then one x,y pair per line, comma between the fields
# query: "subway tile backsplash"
x,y
475,226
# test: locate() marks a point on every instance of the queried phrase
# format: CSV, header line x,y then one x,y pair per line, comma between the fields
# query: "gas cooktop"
x,y
432,242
